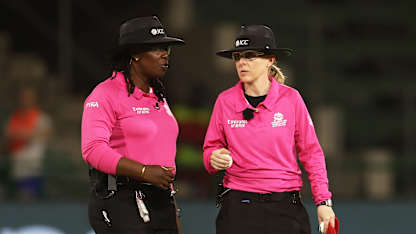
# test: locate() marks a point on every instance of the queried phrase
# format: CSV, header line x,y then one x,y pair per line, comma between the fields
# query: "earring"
x,y
135,59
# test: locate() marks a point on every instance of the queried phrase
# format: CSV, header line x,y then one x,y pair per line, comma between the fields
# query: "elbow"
x,y
85,153
89,150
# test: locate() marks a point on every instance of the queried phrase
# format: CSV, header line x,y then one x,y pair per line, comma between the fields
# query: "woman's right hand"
x,y
221,159
159,176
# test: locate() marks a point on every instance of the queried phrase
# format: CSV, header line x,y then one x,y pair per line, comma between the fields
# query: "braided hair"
x,y
120,62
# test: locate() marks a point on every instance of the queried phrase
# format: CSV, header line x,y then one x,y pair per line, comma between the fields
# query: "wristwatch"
x,y
326,203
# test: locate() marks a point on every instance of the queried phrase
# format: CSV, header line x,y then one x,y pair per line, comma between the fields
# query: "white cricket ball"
x,y
230,159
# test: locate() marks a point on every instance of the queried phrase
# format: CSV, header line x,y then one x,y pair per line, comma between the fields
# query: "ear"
x,y
270,59
273,59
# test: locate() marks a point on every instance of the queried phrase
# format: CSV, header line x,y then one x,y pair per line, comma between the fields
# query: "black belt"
x,y
97,176
293,196
274,196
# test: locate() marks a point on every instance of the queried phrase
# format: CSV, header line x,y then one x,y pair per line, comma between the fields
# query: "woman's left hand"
x,y
326,215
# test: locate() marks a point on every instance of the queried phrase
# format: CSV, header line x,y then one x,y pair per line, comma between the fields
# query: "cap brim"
x,y
279,52
165,40
170,41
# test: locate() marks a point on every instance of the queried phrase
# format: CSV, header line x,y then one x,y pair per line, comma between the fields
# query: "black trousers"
x,y
118,214
244,212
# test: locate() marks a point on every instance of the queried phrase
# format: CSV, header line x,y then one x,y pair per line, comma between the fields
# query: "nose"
x,y
164,54
241,61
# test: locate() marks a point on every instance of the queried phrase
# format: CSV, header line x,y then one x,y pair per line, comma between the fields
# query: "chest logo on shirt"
x,y
141,110
278,120
237,123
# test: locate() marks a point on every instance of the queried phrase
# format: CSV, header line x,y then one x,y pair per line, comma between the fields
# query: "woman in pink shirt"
x,y
129,137
258,130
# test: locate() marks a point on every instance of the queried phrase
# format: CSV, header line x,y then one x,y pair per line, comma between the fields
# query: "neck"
x,y
259,87
140,81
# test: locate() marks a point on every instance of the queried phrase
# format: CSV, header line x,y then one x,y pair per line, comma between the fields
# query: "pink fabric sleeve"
x,y
310,153
214,138
97,123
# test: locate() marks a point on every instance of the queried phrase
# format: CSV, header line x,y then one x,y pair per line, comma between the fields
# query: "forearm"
x,y
319,182
155,174
128,167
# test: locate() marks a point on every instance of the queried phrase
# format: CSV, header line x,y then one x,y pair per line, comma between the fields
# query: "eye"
x,y
250,54
162,49
236,56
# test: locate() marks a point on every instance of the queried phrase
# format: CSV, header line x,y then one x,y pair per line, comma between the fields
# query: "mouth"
x,y
165,67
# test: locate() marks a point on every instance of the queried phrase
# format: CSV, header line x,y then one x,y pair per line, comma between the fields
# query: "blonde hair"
x,y
277,73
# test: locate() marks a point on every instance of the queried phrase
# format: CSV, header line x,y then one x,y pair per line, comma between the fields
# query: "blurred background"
x,y
354,65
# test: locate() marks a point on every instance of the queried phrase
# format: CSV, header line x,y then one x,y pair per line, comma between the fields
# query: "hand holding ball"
x,y
221,159
230,160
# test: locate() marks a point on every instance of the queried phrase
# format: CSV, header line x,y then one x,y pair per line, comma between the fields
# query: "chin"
x,y
246,79
159,74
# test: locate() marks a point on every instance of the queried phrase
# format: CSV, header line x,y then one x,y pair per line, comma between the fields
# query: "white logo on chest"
x,y
237,123
141,110
278,120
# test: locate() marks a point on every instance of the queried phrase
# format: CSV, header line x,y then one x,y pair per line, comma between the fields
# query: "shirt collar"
x,y
137,93
272,95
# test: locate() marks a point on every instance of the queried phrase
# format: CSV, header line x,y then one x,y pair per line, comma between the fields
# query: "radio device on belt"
x,y
111,185
97,176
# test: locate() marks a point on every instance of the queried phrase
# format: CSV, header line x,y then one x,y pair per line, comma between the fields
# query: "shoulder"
x,y
109,86
290,91
105,94
105,90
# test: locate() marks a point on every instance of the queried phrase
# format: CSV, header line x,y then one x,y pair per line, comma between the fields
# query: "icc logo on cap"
x,y
157,31
241,43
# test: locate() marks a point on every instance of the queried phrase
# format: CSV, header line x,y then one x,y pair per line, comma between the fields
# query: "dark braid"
x,y
158,89
129,82
121,64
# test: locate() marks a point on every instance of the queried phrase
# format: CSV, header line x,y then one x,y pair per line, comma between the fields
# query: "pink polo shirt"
x,y
264,148
116,125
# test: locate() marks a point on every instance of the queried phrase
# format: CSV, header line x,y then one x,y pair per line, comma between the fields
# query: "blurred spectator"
x,y
26,135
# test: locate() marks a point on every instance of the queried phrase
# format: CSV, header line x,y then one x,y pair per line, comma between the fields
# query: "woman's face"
x,y
153,63
250,67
